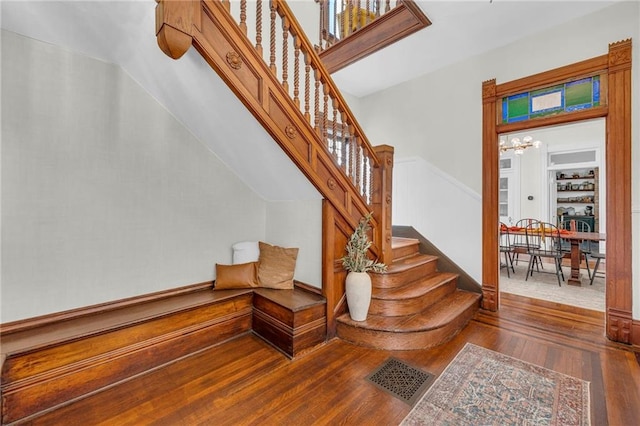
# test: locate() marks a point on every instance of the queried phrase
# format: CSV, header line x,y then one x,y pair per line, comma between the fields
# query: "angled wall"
x,y
105,195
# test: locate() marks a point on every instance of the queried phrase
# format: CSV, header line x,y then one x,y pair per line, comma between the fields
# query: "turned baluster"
x,y
243,16
316,112
345,140
321,29
334,129
272,42
325,107
388,6
285,53
259,27
296,70
307,85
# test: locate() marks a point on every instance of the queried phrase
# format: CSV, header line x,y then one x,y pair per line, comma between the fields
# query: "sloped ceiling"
x,y
123,32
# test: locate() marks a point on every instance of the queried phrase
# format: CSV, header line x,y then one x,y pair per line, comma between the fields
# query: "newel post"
x,y
174,22
381,201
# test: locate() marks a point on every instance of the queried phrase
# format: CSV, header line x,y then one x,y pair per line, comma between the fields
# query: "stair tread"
x,y
415,288
405,263
397,242
434,317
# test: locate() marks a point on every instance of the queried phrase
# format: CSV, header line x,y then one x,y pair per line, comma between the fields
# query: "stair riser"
x,y
393,280
404,251
410,340
392,308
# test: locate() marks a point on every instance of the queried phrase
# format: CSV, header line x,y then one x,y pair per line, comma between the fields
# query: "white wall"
x,y
533,162
296,224
105,195
438,117
450,224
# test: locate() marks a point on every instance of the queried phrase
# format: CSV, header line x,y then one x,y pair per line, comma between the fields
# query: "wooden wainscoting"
x,y
52,360
244,381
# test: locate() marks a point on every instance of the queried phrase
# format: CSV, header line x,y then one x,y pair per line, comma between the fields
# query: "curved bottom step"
x,y
426,329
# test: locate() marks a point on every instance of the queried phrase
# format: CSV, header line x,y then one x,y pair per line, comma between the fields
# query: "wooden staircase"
x,y
413,305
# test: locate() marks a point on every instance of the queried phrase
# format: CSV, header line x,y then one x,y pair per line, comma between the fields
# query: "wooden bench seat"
x,y
293,321
52,360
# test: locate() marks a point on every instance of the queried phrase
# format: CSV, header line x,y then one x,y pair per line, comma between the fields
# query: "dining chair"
x,y
586,247
519,241
598,256
506,248
543,240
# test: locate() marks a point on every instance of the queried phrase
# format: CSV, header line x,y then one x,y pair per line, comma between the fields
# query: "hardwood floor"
x,y
245,381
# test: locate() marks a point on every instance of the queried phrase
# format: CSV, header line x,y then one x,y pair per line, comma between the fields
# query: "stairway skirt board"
x,y
413,305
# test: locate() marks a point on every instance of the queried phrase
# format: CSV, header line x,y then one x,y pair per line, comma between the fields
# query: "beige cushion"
x,y
244,275
276,266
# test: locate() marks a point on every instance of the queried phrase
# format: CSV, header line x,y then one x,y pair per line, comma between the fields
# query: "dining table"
x,y
575,238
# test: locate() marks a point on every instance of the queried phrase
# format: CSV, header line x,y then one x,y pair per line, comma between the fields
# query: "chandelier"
x,y
518,145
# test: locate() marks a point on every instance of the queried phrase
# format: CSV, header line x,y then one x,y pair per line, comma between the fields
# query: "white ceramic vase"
x,y
358,289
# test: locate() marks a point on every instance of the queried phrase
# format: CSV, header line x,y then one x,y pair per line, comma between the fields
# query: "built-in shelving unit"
x,y
577,194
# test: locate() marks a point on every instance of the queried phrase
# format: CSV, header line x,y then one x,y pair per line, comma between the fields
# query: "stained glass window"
x,y
572,96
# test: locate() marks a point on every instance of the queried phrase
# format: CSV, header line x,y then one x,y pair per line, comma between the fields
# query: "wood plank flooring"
x,y
246,382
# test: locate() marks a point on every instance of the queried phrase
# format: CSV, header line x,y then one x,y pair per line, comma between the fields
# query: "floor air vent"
x,y
401,380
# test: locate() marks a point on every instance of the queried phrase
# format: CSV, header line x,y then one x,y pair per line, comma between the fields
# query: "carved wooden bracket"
x,y
173,26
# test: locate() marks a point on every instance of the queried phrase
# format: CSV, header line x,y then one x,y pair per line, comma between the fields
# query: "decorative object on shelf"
x,y
358,263
518,145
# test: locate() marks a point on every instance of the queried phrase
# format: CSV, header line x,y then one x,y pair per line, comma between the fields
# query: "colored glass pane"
x,y
518,107
579,92
571,96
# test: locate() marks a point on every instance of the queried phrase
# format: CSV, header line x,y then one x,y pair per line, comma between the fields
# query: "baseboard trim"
x,y
635,333
29,323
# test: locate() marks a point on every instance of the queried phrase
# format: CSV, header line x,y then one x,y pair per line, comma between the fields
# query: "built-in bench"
x,y
54,359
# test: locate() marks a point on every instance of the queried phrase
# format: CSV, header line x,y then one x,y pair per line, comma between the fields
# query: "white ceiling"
x,y
122,32
460,29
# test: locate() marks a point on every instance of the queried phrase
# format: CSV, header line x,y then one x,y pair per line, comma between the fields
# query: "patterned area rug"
x,y
483,387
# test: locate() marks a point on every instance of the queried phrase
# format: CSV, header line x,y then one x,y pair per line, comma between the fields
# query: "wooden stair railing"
x,y
353,29
269,63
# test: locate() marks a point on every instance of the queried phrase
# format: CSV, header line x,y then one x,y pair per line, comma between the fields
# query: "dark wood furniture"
x,y
576,238
50,361
292,321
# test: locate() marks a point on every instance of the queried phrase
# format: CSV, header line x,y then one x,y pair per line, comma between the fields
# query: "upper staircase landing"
x,y
413,305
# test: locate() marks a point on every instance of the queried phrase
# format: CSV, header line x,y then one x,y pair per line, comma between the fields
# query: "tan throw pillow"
x,y
243,275
276,266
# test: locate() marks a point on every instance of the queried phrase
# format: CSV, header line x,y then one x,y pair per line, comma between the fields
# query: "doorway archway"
x,y
614,70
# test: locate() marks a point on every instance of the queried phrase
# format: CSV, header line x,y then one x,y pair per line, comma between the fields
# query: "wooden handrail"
x,y
286,13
